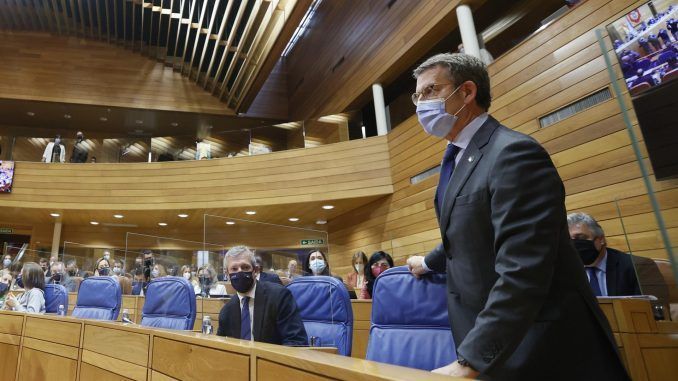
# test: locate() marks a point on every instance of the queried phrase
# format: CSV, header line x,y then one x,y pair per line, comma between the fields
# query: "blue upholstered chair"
x,y
410,326
325,308
170,303
55,295
99,297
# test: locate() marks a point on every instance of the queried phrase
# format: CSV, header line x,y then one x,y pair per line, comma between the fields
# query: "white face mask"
x,y
107,256
155,273
116,270
187,276
433,117
358,267
317,266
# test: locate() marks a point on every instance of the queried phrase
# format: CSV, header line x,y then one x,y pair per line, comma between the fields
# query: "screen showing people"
x,y
646,44
6,176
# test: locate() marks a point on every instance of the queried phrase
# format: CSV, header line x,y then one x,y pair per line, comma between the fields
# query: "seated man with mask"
x,y
262,311
610,271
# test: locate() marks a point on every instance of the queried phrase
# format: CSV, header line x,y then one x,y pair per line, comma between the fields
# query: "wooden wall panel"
x,y
591,150
41,67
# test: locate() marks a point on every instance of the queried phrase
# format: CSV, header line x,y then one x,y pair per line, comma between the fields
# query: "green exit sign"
x,y
6,230
312,242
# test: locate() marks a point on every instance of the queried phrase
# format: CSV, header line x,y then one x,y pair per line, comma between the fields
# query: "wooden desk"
x,y
47,347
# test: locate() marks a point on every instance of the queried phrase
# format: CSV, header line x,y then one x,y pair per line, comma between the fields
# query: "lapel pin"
x,y
470,159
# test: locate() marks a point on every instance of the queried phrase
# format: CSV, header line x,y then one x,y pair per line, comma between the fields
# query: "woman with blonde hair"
x,y
190,277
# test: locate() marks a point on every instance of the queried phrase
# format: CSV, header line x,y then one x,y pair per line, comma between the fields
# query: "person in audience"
x,y
356,278
15,272
5,284
610,272
118,267
264,276
55,152
186,273
517,303
72,269
223,277
207,277
80,151
293,269
379,262
262,311
6,261
158,271
44,265
642,78
93,160
138,283
53,259
33,298
102,268
60,276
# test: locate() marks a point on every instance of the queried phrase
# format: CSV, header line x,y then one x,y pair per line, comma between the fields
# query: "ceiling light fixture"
x,y
30,113
321,222
93,223
67,116
230,223
328,207
54,214
103,119
139,121
182,215
162,223
251,212
293,219
118,216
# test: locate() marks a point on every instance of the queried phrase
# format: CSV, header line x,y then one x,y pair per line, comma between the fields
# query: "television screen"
x,y
6,176
645,41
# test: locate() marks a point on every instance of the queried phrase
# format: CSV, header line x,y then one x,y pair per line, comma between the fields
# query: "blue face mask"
x,y
19,282
317,266
3,289
433,117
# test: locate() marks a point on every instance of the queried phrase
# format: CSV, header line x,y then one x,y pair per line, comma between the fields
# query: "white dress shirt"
x,y
601,274
250,294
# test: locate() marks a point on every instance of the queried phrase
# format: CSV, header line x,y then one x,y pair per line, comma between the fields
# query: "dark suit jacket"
x,y
269,277
620,275
519,305
276,317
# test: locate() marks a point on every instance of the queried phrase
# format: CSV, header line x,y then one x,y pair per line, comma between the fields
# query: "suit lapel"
x,y
259,311
464,168
234,315
611,274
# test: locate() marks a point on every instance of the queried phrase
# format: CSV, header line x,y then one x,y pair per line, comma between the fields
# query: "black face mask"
x,y
3,289
103,271
72,272
19,282
242,281
148,262
205,280
56,278
587,250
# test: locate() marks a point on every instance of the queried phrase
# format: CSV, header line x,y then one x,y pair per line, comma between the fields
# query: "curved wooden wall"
x,y
357,168
591,150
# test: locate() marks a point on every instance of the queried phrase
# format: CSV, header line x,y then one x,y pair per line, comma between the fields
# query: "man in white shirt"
x,y
262,311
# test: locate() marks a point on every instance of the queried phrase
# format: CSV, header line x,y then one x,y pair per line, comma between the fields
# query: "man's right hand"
x,y
415,264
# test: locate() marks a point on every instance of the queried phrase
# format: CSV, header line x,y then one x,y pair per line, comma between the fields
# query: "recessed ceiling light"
x,y
293,219
139,121
174,124
321,222
54,214
328,207
162,223
118,216
67,116
103,119
230,223
251,212
182,215
30,113
94,223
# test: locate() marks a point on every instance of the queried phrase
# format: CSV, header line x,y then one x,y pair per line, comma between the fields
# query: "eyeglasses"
x,y
428,92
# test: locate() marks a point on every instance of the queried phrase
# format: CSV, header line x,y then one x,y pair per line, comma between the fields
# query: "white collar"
x,y
249,293
464,137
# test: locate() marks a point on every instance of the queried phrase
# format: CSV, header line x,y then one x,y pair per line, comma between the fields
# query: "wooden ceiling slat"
x,y
196,41
81,18
64,17
7,19
177,32
47,14
217,43
188,35
144,32
257,37
205,46
74,25
108,20
55,13
36,6
98,10
134,26
236,56
18,12
90,18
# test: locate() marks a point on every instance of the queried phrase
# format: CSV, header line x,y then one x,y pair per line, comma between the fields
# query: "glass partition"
x,y
17,256
275,245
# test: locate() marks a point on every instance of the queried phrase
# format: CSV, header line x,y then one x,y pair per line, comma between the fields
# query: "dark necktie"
x,y
593,281
245,326
446,169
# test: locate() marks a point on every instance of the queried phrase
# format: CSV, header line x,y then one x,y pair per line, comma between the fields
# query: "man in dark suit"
x,y
264,276
610,272
519,305
261,311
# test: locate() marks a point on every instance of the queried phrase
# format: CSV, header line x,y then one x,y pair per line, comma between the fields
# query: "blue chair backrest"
x,y
55,295
410,325
99,297
325,308
170,303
